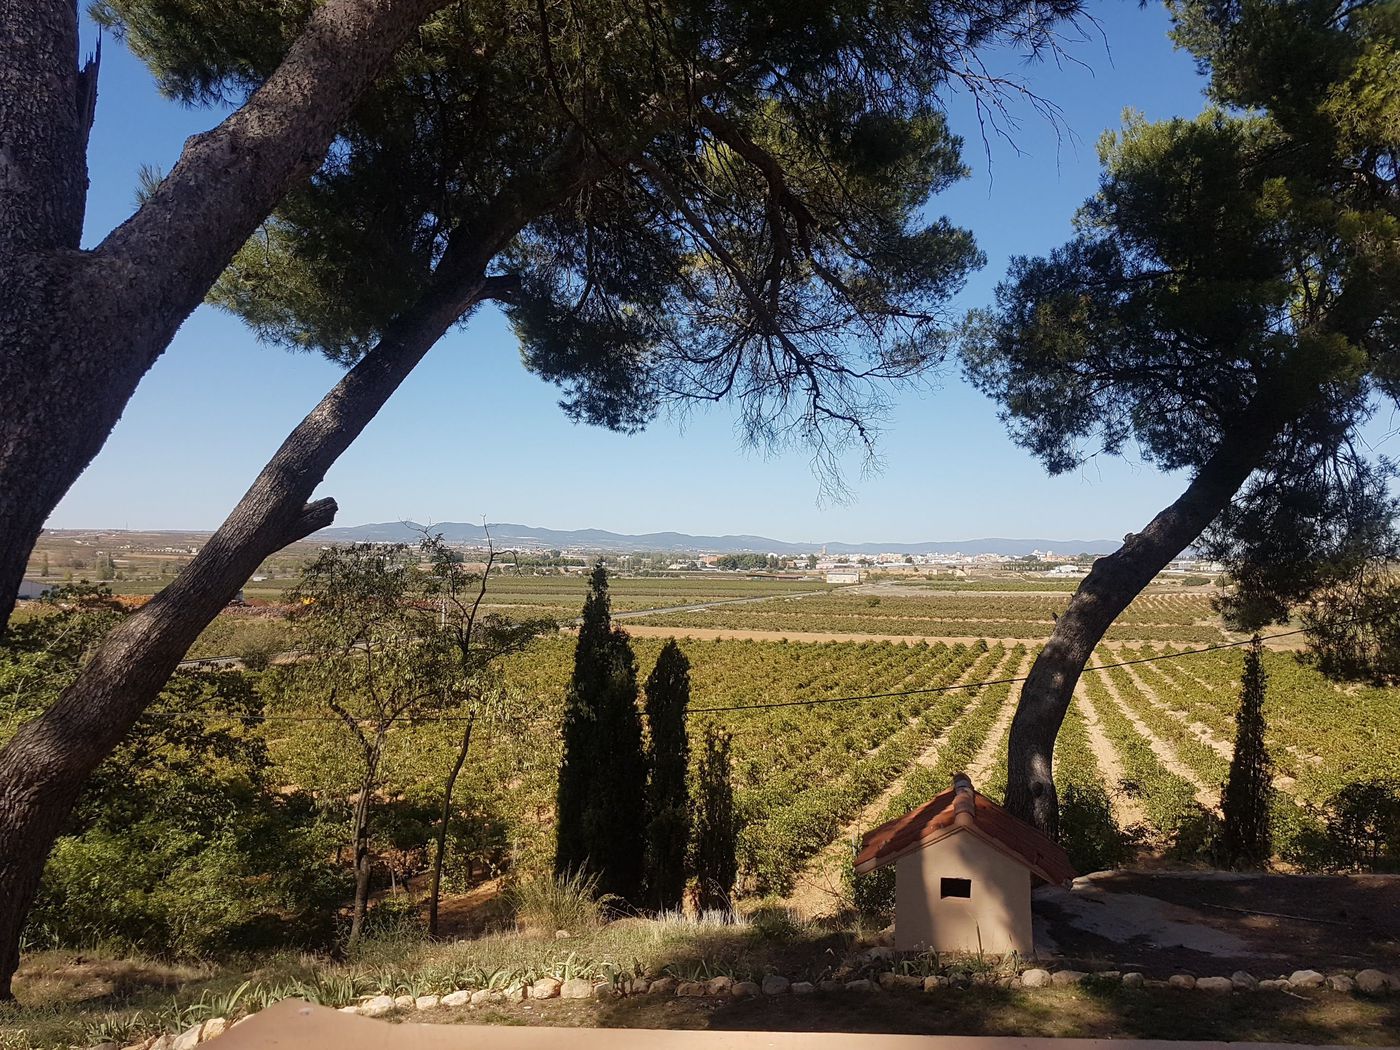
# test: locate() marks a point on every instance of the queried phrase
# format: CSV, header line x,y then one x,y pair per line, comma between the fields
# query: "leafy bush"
x,y
1088,832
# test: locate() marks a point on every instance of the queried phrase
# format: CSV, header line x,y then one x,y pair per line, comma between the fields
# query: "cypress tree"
x,y
602,780
716,826
668,796
1245,840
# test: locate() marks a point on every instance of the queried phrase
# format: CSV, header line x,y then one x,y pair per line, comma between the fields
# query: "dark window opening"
x,y
955,888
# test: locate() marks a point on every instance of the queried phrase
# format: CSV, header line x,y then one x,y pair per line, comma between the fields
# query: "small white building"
x,y
964,869
843,576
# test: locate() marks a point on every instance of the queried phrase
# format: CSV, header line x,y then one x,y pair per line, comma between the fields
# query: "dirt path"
x,y
1127,810
819,887
986,757
1166,754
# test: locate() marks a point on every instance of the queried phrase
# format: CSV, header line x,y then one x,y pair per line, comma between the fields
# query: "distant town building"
x,y
843,576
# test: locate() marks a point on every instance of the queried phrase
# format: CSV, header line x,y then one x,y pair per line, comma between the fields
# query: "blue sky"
x,y
471,434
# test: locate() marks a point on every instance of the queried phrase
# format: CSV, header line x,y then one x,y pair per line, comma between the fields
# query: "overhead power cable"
x,y
780,703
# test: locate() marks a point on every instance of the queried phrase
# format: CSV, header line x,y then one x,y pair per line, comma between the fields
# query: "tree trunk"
x,y
1113,582
360,836
44,765
435,888
78,330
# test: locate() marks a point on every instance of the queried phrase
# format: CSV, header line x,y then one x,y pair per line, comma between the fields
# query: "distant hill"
x,y
509,535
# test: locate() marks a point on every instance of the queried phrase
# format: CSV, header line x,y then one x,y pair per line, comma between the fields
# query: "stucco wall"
x,y
999,909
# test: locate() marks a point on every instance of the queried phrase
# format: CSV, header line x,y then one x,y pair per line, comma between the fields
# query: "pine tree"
x,y
668,797
1245,839
602,780
716,826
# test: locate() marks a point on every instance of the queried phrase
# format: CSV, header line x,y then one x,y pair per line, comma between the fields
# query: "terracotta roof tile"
x,y
962,808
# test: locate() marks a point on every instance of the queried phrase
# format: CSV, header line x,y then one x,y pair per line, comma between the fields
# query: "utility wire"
x,y
781,703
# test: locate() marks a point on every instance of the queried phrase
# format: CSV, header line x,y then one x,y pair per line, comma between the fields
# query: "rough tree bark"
x,y
78,329
43,767
360,835
1113,582
435,888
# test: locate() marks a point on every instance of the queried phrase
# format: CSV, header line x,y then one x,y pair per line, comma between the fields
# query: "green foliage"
x,y
668,794
1088,831
1245,834
1233,283
714,201
872,894
602,779
716,825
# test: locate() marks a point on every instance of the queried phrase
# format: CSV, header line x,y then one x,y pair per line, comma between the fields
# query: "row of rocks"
x,y
1368,982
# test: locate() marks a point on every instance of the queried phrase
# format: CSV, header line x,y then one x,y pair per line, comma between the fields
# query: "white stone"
x,y
1340,982
1181,980
776,984
604,990
745,990
480,996
188,1039
426,1002
1372,982
1273,985
403,1002
1244,981
1036,978
1306,979
1063,977
1130,980
830,986
461,997
1218,985
933,982
545,988
561,935
576,988
663,986
860,985
213,1028
719,985
690,989
349,1009
378,1006
637,986
803,988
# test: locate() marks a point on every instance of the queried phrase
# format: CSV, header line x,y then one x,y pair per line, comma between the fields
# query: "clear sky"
x,y
472,435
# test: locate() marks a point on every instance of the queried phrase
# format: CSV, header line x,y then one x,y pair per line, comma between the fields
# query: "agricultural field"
x,y
1141,759
879,610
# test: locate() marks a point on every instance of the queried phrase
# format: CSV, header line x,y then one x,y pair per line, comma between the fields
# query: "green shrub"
x,y
1088,831
564,902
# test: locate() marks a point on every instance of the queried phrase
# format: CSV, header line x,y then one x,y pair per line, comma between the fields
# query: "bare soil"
x,y
1213,923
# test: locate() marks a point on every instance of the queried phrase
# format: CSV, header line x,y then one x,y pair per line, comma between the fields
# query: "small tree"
x,y
715,857
602,778
477,640
372,658
668,796
1245,838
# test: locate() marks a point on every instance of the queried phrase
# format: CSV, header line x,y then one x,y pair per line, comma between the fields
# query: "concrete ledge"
x,y
292,1023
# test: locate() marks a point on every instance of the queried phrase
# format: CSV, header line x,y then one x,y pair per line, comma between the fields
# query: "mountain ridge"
x,y
507,534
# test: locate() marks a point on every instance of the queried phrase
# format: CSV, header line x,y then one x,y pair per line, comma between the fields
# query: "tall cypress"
x,y
668,796
602,780
716,825
1246,840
